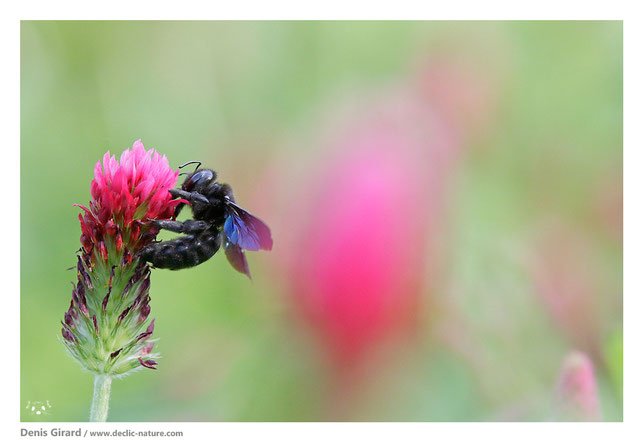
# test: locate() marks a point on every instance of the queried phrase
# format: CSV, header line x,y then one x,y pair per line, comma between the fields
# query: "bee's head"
x,y
198,180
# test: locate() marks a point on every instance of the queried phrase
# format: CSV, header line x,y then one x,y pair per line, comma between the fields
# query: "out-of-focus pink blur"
x,y
374,211
567,286
577,389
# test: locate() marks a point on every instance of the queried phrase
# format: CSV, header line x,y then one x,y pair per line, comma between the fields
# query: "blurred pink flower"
x,y
363,242
577,389
367,224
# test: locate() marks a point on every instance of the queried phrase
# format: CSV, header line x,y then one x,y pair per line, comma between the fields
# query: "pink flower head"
x,y
366,229
126,193
577,389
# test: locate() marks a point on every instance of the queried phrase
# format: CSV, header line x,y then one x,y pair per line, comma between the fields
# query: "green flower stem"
x,y
101,399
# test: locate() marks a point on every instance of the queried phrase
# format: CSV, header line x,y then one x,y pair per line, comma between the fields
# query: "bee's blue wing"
x,y
237,258
246,231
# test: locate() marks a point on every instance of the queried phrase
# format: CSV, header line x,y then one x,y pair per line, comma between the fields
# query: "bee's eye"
x,y
199,177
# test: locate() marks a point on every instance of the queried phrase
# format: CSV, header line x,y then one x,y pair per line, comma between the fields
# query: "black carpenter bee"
x,y
217,220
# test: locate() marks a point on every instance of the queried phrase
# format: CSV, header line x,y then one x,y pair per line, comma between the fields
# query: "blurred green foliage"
x,y
240,94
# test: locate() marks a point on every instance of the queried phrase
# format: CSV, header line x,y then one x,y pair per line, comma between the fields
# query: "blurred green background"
x,y
541,169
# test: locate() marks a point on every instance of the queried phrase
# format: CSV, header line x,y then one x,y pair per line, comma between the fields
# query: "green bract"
x,y
106,328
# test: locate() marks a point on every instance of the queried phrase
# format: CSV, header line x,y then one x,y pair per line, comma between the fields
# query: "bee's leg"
x,y
192,197
186,227
177,210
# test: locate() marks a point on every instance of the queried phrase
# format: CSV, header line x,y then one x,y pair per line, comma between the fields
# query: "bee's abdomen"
x,y
183,252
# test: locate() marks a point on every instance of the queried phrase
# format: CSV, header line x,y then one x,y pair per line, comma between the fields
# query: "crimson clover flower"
x,y
106,328
125,194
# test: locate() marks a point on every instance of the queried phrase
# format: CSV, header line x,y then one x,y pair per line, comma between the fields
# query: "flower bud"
x,y
577,397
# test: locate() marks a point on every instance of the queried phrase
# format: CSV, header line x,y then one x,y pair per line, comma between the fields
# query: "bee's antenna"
x,y
189,163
